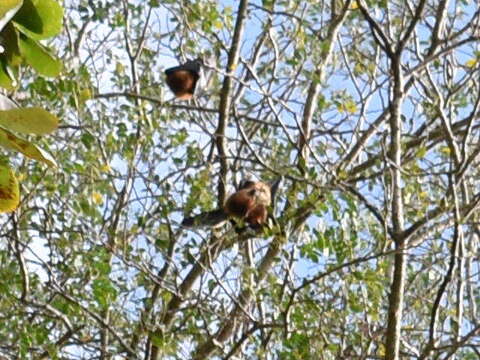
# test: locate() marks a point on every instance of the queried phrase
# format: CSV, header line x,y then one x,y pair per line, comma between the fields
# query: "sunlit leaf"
x,y
84,95
97,198
350,107
39,19
38,57
471,63
218,24
12,142
9,192
33,120
381,350
105,168
421,152
445,150
8,8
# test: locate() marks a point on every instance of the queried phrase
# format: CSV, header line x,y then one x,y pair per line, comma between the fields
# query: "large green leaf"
x,y
39,19
33,120
10,141
39,58
8,8
9,192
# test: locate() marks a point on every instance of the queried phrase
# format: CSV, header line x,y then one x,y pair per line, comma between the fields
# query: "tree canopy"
x,y
368,110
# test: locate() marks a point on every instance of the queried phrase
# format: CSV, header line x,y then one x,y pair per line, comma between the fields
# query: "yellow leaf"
x,y
359,68
84,95
105,168
342,175
33,120
9,191
471,63
97,198
421,152
12,142
381,350
445,150
119,68
350,107
218,24
354,5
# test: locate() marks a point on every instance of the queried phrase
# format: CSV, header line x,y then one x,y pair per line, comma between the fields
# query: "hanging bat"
x,y
182,79
249,203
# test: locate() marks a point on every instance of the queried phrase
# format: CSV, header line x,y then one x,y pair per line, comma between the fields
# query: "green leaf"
x,y
88,140
268,4
10,141
9,190
421,152
39,58
355,304
8,8
104,292
6,80
39,19
33,120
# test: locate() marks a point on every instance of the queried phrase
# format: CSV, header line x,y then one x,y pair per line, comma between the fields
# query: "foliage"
x,y
368,110
23,23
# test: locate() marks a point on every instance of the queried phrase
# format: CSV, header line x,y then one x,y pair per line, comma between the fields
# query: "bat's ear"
x,y
248,179
274,186
191,65
245,183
